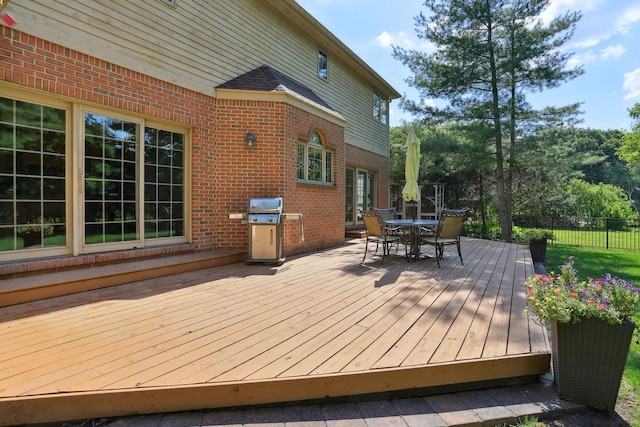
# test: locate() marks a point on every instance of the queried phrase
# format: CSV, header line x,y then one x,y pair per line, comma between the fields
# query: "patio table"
x,y
415,227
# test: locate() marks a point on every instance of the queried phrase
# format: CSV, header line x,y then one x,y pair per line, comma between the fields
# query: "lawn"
x,y
592,262
595,263
613,239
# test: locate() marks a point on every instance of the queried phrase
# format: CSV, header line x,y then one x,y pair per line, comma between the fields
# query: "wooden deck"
x,y
320,325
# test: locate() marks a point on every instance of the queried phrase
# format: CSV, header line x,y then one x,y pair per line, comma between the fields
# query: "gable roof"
x,y
266,79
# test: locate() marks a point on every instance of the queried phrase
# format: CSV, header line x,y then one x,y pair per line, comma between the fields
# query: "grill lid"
x,y
273,205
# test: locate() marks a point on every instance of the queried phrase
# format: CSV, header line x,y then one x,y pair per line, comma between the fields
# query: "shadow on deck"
x,y
320,326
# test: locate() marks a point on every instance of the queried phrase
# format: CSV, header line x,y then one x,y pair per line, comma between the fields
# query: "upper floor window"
x,y
315,162
170,2
380,109
322,65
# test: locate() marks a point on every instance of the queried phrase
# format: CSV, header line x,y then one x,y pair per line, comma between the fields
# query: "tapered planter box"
x,y
588,360
538,250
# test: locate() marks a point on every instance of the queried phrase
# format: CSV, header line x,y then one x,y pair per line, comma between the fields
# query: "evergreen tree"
x,y
489,55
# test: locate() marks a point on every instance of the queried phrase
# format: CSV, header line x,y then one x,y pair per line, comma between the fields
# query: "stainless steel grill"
x,y
264,217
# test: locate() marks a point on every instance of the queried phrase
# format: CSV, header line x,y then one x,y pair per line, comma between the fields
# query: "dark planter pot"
x,y
538,250
31,239
588,360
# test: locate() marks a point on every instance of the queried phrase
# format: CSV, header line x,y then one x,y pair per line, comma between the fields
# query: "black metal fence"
x,y
608,233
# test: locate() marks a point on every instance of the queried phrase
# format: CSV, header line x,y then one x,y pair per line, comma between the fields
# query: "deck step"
x,y
356,234
47,285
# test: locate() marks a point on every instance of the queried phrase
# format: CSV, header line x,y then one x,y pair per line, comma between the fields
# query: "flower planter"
x,y
588,360
31,239
538,250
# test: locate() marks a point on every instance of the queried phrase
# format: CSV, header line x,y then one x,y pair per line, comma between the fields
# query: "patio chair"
x,y
377,233
390,213
447,232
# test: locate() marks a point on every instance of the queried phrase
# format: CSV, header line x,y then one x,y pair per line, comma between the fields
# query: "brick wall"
x,y
38,64
225,174
270,170
359,158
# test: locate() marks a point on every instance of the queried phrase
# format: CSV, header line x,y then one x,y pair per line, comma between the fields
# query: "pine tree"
x,y
489,55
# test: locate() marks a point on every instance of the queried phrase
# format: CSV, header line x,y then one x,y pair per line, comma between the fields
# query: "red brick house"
x,y
123,129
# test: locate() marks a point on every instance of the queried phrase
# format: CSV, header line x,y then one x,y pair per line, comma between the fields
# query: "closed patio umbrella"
x,y
411,192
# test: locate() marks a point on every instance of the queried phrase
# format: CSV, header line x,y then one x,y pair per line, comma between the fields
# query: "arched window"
x,y
315,162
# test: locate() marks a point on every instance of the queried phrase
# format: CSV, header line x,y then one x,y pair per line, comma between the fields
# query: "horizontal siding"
x,y
200,44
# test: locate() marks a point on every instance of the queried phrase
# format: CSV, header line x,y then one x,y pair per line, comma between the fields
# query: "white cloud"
x,y
613,51
601,20
560,7
589,42
400,39
429,103
385,39
632,84
578,60
629,18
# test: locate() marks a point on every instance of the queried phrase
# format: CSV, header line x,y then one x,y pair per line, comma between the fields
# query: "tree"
x,y
596,200
547,163
489,55
630,149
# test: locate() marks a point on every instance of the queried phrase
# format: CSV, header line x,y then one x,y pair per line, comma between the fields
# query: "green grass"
x,y
595,263
625,240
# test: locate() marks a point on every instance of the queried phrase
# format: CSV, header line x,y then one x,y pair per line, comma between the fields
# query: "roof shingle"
x,y
266,79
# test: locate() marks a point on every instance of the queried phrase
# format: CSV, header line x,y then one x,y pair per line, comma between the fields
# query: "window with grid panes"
x,y
315,162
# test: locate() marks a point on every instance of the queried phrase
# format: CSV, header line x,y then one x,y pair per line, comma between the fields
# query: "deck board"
x,y
322,321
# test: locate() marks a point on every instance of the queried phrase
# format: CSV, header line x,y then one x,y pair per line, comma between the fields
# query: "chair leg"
x,y
460,253
366,246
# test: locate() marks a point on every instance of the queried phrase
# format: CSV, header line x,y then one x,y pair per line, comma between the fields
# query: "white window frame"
x,y
324,156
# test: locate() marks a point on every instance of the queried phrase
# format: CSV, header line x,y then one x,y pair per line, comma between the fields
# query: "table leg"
x,y
414,252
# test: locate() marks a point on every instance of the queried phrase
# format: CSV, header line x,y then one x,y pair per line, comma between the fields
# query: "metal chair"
x,y
447,232
386,214
390,213
376,232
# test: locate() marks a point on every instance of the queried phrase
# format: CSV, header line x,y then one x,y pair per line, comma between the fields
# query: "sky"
x,y
606,44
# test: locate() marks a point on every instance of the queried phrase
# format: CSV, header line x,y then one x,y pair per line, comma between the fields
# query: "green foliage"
x,y
528,421
481,230
605,165
591,262
630,149
595,200
525,237
565,298
489,55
